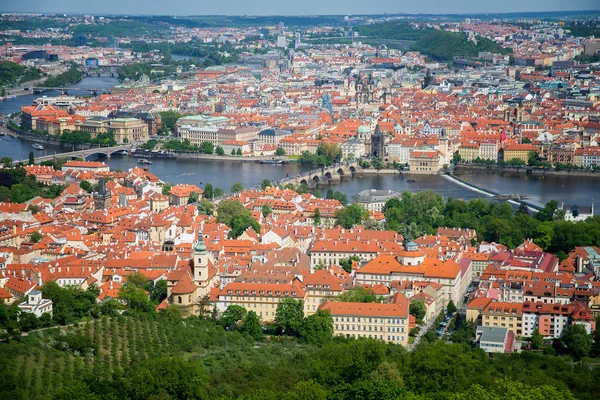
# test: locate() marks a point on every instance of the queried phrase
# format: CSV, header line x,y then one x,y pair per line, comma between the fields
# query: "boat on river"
x,y
37,146
144,161
273,161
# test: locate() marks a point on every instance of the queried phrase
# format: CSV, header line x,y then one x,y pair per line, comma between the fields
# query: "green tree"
x,y
220,151
359,294
206,207
233,316
317,328
36,237
208,191
193,198
159,291
352,215
218,192
85,185
207,147
317,217
240,223
346,263
229,210
233,152
169,119
307,390
289,316
417,309
266,210
280,151
536,340
577,340
252,325
6,161
451,308
377,162
166,188
238,152
237,187
265,184
31,158
547,213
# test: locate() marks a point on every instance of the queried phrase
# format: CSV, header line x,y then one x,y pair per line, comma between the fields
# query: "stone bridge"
x,y
84,154
325,175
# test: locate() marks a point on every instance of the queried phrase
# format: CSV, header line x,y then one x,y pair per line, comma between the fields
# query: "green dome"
x,y
363,129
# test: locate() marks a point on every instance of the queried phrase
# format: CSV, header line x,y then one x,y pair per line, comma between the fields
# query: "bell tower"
x,y
200,259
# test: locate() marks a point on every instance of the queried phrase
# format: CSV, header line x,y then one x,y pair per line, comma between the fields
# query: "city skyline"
x,y
310,7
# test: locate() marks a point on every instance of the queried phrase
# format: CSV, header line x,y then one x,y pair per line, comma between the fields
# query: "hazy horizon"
x,y
288,8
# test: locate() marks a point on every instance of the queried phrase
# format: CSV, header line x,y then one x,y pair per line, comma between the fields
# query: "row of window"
x,y
370,320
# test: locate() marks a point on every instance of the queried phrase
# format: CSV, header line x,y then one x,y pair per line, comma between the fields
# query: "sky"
x,y
291,7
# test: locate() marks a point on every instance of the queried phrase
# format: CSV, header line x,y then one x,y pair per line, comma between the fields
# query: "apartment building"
x,y
504,315
552,319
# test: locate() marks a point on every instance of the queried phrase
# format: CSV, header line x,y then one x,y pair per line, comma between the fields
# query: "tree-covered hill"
x,y
444,46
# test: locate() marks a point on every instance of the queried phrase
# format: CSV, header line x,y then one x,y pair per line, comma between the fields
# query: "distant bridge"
x,y
65,90
84,154
325,175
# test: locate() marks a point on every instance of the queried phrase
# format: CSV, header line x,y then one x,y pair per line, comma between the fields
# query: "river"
x,y
10,106
540,189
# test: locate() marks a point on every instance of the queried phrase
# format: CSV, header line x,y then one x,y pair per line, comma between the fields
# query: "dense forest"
x,y
444,46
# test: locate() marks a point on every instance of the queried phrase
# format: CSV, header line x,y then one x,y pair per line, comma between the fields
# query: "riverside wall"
x,y
525,170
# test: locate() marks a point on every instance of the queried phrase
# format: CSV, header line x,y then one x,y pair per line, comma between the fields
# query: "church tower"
x,y
200,259
102,198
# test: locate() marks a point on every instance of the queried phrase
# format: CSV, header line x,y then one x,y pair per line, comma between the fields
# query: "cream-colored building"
x,y
262,298
387,322
425,162
132,129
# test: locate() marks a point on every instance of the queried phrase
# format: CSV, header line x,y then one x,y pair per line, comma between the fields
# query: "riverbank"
x,y
202,156
524,170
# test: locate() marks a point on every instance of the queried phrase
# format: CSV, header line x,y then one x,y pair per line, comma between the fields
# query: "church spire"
x,y
200,248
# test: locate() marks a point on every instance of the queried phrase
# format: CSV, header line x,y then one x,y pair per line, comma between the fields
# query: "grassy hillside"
x,y
150,356
444,46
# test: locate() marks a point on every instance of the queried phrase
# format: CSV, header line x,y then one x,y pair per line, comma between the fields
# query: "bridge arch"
x,y
328,174
352,169
341,171
316,178
304,182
